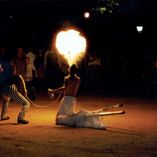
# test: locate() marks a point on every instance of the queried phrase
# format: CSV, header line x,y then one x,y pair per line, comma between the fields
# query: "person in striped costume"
x,y
8,90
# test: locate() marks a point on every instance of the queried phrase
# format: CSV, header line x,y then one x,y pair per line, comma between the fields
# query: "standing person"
x,y
31,56
93,73
39,65
66,113
52,70
30,70
19,67
9,91
19,62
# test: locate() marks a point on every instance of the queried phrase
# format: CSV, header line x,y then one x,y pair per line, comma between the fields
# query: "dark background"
x,y
127,56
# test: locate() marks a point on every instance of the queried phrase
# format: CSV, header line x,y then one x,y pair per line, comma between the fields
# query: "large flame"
x,y
71,45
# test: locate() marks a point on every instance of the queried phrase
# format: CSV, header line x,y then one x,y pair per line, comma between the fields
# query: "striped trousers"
x,y
11,92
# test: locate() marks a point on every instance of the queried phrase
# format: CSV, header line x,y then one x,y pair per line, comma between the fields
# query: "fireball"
x,y
71,45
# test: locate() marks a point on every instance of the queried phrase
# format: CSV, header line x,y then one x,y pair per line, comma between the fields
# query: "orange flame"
x,y
71,45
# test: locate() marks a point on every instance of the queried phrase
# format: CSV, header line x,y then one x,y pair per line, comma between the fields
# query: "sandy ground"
x,y
133,134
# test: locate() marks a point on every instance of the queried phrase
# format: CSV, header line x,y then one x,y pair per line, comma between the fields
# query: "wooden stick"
x,y
105,113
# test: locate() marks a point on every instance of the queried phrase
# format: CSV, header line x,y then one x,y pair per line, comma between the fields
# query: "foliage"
x,y
109,6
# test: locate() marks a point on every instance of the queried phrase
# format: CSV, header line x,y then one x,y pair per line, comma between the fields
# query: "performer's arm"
x,y
22,82
60,89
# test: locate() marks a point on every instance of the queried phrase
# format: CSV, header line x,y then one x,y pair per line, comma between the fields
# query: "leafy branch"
x,y
107,6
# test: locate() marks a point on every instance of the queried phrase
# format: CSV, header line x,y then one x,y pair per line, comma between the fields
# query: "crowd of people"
x,y
100,74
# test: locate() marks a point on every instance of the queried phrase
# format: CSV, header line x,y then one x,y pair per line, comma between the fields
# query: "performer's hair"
x,y
73,69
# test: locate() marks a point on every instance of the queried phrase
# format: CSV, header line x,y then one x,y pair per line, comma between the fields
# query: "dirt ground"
x,y
133,134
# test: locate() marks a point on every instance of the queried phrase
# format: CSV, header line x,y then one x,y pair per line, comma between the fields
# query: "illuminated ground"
x,y
130,135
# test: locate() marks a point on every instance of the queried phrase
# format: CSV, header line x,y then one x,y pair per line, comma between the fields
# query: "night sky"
x,y
32,22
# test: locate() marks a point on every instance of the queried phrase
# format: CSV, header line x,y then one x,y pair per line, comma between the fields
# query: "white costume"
x,y
67,116
29,73
32,56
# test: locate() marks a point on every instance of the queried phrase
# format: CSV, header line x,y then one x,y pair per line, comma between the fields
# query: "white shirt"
x,y
29,73
31,56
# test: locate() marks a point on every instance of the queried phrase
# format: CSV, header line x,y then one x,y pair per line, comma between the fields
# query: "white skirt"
x,y
67,106
66,115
